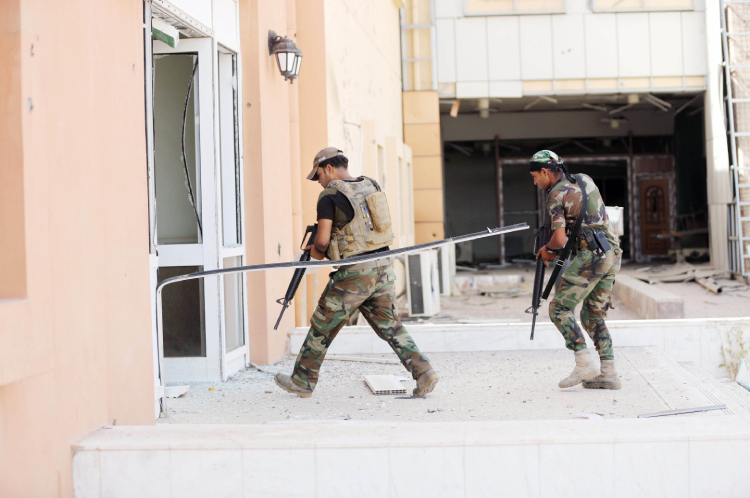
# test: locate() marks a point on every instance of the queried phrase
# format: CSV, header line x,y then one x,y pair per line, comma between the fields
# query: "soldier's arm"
x,y
322,239
558,239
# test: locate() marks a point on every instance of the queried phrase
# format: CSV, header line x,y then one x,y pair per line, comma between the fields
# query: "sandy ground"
x,y
699,302
505,385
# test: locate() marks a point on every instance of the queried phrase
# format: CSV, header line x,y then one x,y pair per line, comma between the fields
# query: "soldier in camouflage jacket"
x,y
369,287
589,277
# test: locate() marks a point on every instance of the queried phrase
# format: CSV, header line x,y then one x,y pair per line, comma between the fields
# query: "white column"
x,y
717,155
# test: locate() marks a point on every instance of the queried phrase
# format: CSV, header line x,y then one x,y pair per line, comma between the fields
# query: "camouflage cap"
x,y
321,156
545,158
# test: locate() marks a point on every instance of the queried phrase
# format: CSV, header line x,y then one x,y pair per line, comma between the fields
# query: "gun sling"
x,y
572,239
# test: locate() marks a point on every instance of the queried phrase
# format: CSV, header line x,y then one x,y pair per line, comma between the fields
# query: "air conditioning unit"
x,y
447,268
465,252
616,217
423,283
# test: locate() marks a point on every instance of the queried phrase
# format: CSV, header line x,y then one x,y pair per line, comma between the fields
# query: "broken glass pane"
x,y
177,179
183,314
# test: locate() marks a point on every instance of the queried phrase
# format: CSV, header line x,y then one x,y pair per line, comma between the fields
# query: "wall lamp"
x,y
288,56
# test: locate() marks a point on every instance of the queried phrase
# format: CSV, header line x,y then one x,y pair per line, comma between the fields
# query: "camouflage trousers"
x,y
372,291
588,279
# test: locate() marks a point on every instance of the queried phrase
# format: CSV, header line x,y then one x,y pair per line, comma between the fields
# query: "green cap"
x,y
545,158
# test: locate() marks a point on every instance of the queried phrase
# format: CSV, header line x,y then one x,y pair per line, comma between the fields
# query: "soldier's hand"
x,y
545,255
314,252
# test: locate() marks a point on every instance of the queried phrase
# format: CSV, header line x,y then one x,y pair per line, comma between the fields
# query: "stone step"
x,y
647,301
693,455
737,400
695,340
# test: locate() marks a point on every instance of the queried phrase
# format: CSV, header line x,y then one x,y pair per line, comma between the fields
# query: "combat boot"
x,y
608,379
426,383
286,383
584,370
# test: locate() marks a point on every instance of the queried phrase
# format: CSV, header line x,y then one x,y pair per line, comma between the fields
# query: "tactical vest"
x,y
370,229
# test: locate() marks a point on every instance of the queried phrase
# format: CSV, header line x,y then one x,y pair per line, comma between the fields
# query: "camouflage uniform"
x,y
589,278
368,287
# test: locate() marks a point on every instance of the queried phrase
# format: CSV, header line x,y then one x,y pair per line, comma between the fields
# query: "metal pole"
x,y
305,264
732,140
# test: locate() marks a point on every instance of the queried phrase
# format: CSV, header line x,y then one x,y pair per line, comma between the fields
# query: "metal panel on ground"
x,y
536,48
503,41
601,45
471,49
666,43
633,45
446,50
568,50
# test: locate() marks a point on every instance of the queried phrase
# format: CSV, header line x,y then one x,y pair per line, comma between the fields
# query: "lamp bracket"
x,y
272,37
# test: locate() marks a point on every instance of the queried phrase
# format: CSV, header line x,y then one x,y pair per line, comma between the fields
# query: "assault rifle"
x,y
312,231
542,236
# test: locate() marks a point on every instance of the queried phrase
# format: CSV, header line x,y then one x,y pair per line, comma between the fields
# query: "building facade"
x,y
162,139
627,92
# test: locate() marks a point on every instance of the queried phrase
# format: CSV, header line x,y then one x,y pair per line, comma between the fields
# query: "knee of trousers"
x,y
592,313
556,310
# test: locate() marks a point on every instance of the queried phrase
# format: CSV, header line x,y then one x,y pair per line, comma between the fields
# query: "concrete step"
x,y
694,455
731,394
695,340
648,301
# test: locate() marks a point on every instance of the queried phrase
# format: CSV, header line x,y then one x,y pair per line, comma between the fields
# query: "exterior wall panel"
x,y
601,46
503,47
536,48
569,47
666,43
633,48
446,50
471,49
694,50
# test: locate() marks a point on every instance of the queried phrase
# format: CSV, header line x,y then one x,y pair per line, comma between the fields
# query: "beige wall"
x,y
75,343
351,72
363,72
422,134
268,146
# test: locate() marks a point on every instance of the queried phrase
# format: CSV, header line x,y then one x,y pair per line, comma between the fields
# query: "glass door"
x,y
185,190
234,290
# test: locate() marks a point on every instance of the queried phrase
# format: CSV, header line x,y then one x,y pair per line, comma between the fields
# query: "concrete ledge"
x,y
688,339
646,300
686,457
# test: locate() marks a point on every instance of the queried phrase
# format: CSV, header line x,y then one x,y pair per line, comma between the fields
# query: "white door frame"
x,y
205,253
238,358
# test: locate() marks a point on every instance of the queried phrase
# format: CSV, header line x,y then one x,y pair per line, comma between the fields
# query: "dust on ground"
x,y
502,385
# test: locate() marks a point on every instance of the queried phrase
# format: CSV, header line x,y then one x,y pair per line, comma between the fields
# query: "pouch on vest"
x,y
333,250
377,204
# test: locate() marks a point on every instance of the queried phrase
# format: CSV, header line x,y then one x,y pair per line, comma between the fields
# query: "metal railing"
x,y
302,264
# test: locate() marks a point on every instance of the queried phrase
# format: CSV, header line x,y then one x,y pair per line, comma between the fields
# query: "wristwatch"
x,y
550,251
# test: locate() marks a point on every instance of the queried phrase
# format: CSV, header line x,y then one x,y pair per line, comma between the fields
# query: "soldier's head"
x,y
546,168
329,164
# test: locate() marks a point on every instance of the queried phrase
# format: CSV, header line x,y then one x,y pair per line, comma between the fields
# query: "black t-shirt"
x,y
331,199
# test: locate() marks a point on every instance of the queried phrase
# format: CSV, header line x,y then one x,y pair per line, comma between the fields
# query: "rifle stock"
x,y
312,231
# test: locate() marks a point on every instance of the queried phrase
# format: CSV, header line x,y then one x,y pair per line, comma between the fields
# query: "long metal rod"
x,y
308,264
683,411
732,137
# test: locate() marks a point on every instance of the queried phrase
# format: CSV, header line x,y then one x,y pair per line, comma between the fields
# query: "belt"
x,y
369,265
